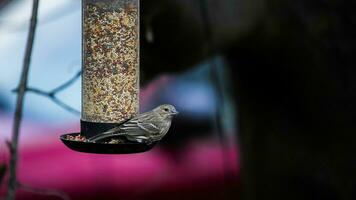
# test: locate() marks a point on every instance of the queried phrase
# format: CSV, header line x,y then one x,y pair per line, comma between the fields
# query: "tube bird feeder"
x,y
110,78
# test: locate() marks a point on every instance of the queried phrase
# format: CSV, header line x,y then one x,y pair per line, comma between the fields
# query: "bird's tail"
x,y
105,135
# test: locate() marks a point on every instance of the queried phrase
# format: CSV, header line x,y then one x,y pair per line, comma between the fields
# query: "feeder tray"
x,y
105,148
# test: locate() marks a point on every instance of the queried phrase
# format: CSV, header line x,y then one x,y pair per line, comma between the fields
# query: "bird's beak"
x,y
175,112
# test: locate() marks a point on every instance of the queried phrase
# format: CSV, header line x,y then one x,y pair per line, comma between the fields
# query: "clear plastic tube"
x,y
110,82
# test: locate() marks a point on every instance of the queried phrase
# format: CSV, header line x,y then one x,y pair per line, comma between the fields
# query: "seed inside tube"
x,y
110,60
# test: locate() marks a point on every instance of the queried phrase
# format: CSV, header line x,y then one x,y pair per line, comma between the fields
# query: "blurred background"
x,y
191,163
265,88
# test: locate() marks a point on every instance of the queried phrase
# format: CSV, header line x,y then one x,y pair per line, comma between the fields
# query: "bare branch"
x,y
46,192
36,91
66,84
19,103
64,105
52,94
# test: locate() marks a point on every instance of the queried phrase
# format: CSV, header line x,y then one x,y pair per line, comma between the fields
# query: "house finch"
x,y
146,127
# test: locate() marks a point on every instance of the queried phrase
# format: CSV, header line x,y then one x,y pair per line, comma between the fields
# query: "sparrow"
x,y
146,128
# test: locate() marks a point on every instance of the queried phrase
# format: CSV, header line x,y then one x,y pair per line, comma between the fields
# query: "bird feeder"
x,y
110,78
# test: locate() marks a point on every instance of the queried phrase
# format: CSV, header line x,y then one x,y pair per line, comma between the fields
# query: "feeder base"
x,y
104,148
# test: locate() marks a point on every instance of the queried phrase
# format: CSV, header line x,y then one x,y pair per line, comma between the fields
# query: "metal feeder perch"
x,y
110,80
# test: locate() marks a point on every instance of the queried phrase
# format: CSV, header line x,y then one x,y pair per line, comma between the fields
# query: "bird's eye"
x,y
166,109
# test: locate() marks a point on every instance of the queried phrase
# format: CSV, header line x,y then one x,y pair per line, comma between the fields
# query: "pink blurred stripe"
x,y
47,163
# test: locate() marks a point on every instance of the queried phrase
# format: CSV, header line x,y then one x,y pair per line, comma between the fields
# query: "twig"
x,y
52,94
19,104
46,192
66,84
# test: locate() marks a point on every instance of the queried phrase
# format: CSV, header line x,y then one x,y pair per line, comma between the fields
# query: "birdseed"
x,y
110,60
78,138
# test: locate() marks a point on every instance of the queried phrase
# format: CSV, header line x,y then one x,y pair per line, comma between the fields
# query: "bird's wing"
x,y
112,132
141,125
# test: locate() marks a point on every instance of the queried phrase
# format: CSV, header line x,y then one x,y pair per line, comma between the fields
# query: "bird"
x,y
146,127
